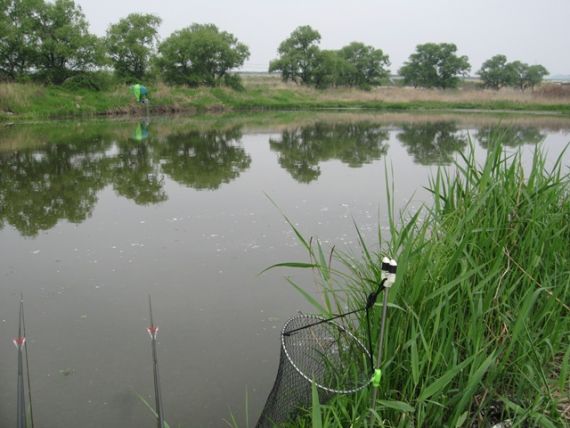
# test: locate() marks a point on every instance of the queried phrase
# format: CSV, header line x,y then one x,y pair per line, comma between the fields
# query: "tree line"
x,y
50,42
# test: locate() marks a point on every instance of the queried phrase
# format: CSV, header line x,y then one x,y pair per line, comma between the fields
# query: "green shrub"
x,y
95,81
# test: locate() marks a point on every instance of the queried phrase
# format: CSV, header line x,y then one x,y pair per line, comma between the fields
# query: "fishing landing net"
x,y
314,349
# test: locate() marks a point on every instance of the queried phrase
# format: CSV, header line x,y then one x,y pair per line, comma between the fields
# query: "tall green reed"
x,y
479,329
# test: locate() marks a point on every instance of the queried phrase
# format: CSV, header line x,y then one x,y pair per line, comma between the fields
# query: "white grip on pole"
x,y
391,278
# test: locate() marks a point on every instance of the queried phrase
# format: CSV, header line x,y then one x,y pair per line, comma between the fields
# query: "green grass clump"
x,y
478,327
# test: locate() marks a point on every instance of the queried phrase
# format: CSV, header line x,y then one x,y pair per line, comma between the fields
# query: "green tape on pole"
x,y
376,378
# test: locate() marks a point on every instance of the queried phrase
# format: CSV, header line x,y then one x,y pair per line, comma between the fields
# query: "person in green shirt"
x,y
140,92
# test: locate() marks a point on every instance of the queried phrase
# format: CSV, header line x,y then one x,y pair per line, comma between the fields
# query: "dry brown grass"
x,y
545,94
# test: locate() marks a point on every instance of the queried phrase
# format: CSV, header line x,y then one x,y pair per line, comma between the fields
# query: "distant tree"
x,y
367,65
298,56
330,69
535,75
18,37
496,73
130,44
526,76
66,47
200,55
435,66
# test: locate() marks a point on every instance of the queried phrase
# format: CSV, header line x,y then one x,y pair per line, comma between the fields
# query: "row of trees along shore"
x,y
50,42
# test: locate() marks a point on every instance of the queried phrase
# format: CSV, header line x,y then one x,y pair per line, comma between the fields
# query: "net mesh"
x,y
314,350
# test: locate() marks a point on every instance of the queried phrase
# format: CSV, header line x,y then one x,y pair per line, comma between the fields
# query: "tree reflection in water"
x,y
204,159
59,181
509,135
302,149
57,172
432,143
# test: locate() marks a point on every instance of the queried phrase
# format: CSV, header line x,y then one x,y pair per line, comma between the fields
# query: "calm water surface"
x,y
94,216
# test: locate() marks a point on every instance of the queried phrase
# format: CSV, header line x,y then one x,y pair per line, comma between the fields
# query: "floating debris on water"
x,y
67,372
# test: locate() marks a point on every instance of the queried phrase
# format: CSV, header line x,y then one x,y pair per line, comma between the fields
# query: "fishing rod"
x,y
389,268
27,363
21,345
153,331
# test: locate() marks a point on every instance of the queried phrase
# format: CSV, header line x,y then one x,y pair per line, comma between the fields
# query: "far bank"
x,y
23,101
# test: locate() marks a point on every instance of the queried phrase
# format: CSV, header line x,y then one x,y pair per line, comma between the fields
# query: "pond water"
x,y
96,215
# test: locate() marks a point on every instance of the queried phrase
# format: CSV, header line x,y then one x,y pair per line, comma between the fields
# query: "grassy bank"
x,y
477,332
30,101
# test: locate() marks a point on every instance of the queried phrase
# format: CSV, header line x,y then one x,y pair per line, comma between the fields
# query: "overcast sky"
x,y
528,30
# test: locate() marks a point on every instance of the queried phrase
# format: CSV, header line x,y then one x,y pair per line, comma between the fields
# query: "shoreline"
x,y
21,102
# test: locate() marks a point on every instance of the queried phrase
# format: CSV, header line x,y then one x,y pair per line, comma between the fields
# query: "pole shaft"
x,y
27,365
157,394
21,400
380,352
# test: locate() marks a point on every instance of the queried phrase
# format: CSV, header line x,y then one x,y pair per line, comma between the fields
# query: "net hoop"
x,y
344,330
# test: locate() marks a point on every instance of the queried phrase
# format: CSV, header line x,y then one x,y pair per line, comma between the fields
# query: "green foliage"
x,y
316,417
330,69
302,61
94,81
526,76
18,37
66,47
130,44
496,73
48,41
298,56
234,81
200,55
367,65
435,65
